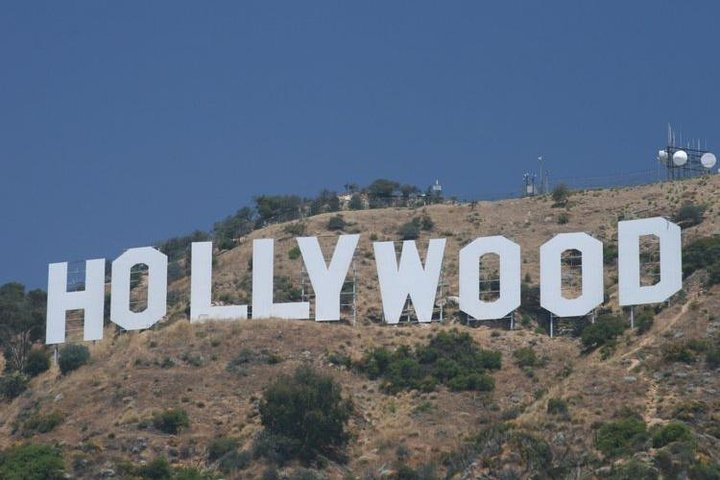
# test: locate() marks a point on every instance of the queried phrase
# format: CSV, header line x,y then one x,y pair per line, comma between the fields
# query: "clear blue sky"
x,y
124,123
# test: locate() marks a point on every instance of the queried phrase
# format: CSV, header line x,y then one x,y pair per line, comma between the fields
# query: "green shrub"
x,y
610,253
525,357
356,202
158,469
294,253
633,470
563,218
12,385
689,215
449,358
38,361
171,421
685,351
39,423
560,195
426,223
701,471
275,449
558,406
535,452
712,357
72,357
32,462
296,229
644,321
409,230
603,332
479,382
672,432
703,253
336,222
233,461
308,409
220,446
622,436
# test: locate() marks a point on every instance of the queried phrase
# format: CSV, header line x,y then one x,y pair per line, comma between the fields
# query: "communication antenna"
x,y
543,176
690,161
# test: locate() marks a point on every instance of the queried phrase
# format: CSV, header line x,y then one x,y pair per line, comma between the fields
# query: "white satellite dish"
x,y
708,160
663,156
680,158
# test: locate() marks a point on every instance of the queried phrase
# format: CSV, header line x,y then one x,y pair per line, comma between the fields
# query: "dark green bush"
x,y
38,361
39,423
336,222
689,215
308,409
701,471
685,351
409,230
426,223
633,470
535,452
558,406
622,436
234,460
703,253
479,382
672,432
525,357
294,253
275,449
356,202
563,218
72,357
560,195
12,385
450,358
603,332
220,446
644,321
171,421
32,462
712,357
158,469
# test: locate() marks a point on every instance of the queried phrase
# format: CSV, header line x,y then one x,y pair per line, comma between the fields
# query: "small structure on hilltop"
x,y
691,160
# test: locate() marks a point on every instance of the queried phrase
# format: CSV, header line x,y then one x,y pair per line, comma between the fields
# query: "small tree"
x,y
356,202
171,420
307,411
38,361
336,222
560,194
689,215
32,462
410,230
73,357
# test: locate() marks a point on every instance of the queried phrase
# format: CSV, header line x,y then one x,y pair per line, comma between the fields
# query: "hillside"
x,y
217,371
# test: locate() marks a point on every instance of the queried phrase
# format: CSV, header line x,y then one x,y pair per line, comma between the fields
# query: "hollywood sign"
x,y
410,277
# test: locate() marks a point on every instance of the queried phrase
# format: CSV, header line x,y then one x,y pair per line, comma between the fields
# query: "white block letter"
x,y
91,300
551,297
327,281
120,312
509,298
409,279
629,288
262,287
201,307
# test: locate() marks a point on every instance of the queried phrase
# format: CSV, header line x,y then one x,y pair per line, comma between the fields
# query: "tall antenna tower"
x,y
686,161
529,188
544,187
